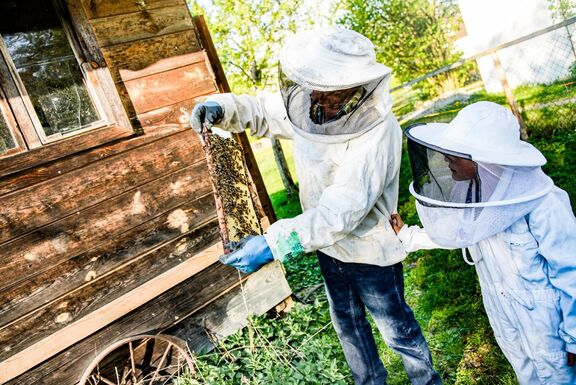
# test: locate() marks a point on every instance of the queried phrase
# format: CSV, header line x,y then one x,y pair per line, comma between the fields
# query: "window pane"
x,y
46,64
6,140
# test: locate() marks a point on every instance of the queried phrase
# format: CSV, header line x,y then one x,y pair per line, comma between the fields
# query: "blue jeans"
x,y
354,287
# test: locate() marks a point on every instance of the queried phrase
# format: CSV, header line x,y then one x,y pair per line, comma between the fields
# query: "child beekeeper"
x,y
480,188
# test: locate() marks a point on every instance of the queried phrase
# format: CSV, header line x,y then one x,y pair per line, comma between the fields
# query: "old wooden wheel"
x,y
140,360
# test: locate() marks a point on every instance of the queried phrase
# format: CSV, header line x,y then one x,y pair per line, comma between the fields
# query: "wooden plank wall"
x,y
155,57
81,232
185,302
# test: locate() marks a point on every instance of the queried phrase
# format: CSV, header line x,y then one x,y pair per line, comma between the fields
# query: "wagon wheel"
x,y
140,360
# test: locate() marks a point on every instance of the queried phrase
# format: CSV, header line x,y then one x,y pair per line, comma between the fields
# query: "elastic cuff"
x,y
271,241
404,234
284,246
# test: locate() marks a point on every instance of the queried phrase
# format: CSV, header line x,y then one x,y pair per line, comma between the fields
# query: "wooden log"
x,y
166,88
100,292
44,203
49,170
140,25
27,296
104,8
46,247
135,56
146,320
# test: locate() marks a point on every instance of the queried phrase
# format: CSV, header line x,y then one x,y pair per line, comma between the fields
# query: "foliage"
x,y
301,348
562,9
572,70
410,36
248,35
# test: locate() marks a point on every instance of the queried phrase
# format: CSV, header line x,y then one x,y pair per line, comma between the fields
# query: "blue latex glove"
x,y
248,255
207,113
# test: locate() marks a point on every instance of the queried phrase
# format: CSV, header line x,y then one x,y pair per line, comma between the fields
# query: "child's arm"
x,y
554,227
413,238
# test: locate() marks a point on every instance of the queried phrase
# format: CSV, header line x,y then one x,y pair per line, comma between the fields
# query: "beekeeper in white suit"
x,y
480,188
335,105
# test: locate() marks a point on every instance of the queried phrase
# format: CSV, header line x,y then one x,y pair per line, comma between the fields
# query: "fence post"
x,y
509,95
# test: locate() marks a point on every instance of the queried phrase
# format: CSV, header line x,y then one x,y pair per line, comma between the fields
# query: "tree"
x,y
413,37
563,10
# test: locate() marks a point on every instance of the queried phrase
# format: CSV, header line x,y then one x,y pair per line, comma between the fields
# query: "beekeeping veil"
x,y
505,184
333,61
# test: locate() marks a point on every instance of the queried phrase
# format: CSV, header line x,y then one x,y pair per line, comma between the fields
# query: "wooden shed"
x,y
108,226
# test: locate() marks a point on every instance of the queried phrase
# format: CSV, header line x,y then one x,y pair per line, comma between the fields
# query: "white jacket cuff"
x,y
405,234
282,242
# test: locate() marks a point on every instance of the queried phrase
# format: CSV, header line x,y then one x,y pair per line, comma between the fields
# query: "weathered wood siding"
x,y
231,300
84,231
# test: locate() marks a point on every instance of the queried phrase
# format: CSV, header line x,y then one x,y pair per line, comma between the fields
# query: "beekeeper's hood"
x,y
474,177
340,64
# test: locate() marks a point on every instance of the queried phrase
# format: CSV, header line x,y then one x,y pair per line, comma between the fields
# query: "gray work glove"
x,y
206,113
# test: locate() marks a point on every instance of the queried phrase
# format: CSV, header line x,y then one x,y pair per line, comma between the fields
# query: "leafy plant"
x,y
412,37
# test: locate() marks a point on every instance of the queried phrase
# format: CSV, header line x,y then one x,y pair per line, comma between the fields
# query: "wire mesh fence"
x,y
534,75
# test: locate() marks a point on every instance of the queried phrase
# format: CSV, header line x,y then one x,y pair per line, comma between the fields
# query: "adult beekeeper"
x,y
334,103
480,188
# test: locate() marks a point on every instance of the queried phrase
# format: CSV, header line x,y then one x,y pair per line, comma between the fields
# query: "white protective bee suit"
x,y
518,227
347,169
335,105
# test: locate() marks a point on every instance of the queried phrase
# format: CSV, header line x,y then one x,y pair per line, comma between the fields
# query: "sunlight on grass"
x,y
264,155
267,164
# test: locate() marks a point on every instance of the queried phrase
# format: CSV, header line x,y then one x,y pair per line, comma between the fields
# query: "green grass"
x,y
529,98
302,348
284,207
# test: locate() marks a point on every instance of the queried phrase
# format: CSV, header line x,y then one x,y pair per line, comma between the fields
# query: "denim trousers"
x,y
354,287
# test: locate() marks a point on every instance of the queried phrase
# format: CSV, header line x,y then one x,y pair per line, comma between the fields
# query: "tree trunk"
x,y
291,188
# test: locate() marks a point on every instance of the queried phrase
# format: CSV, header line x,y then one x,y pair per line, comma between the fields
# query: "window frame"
x,y
33,146
6,114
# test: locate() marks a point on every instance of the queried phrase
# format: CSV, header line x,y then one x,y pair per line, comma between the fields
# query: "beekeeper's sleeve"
x,y
415,238
366,171
265,114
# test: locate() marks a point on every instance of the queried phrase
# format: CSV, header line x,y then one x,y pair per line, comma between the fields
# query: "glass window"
x,y
47,66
